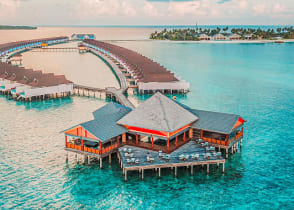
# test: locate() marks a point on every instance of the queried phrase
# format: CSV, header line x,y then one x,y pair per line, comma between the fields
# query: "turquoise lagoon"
x,y
253,80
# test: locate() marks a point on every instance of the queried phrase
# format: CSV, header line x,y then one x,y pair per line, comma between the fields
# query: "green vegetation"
x,y
17,27
243,33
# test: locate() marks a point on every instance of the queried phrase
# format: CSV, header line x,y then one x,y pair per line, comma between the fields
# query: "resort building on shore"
x,y
234,37
170,133
142,73
218,37
204,37
82,36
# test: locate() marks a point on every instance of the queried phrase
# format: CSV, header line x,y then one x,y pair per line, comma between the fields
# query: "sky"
x,y
146,12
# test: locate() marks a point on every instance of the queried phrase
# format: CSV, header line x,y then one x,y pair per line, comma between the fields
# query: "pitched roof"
x,y
213,121
104,125
159,113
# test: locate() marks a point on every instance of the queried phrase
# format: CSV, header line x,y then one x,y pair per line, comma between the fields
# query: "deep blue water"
x,y
253,80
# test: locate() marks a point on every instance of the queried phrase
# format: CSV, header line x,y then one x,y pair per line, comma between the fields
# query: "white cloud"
x,y
8,7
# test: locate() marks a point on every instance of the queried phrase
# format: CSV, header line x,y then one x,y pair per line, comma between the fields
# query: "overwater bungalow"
x,y
26,83
158,125
82,36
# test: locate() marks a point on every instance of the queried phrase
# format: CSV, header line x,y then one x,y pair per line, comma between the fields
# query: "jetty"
x,y
142,73
160,133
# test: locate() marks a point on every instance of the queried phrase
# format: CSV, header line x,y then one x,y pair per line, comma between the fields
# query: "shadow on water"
x,y
86,183
42,105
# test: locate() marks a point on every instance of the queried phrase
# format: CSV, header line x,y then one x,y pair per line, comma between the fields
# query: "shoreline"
x,y
208,41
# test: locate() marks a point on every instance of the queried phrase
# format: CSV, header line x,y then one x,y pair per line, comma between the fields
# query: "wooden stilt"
x,y
192,170
223,167
142,174
89,160
109,156
159,172
100,162
126,175
207,168
175,171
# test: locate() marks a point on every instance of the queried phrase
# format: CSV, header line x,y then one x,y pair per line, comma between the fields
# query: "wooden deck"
x,y
190,148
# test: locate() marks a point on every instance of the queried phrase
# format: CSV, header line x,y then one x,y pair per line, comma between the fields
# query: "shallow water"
x,y
253,80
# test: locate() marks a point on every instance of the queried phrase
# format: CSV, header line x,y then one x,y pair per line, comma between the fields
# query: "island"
x,y
198,34
3,27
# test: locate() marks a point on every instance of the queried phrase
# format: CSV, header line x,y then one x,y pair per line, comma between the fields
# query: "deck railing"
x,y
223,142
91,150
214,141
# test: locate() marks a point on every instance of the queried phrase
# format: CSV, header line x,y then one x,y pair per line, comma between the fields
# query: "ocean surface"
x,y
253,80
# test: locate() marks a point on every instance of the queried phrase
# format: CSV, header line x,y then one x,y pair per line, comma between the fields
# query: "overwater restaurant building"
x,y
159,123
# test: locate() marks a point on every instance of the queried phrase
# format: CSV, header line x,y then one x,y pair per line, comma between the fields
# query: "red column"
x,y
83,144
86,133
65,141
227,140
184,136
168,145
201,134
77,131
152,139
176,141
137,139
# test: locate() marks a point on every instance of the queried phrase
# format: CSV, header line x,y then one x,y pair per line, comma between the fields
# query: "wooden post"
x,y
184,136
126,175
175,171
201,133
89,161
191,170
191,133
168,145
124,138
207,168
83,144
65,141
227,151
223,167
100,145
176,141
137,139
109,156
159,172
101,162
142,173
152,140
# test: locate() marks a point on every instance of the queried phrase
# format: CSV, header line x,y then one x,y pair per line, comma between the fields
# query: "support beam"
x,y
176,141
109,156
184,136
207,168
192,170
142,173
223,167
176,171
100,162
137,139
126,175
168,145
89,160
159,172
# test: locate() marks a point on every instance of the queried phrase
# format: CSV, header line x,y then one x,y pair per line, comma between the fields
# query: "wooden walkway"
x,y
116,70
110,92
55,49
